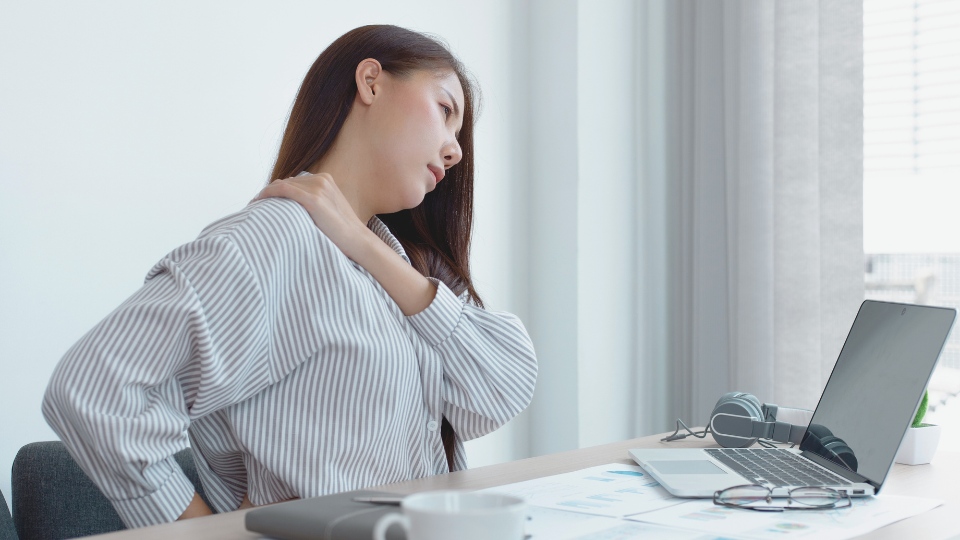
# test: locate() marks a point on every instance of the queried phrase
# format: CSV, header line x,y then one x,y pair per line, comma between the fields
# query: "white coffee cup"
x,y
442,515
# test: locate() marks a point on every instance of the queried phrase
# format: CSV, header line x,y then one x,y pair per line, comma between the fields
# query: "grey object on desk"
x,y
330,517
53,498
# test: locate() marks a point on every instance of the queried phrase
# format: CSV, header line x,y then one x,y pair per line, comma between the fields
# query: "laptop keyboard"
x,y
776,467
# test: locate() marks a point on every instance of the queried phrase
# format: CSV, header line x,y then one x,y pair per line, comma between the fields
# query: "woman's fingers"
x,y
297,186
277,188
319,195
280,188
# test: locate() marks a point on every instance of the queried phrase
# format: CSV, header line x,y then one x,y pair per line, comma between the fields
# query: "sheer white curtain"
x,y
694,199
766,190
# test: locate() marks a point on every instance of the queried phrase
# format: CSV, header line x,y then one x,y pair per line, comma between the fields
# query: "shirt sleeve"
x,y
201,334
489,365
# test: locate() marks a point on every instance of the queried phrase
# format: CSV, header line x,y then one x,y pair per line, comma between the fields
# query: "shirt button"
x,y
432,425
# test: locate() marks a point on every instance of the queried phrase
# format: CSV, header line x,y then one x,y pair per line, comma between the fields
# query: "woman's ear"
x,y
368,79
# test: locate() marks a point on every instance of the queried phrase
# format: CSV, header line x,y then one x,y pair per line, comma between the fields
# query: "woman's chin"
x,y
408,203
414,200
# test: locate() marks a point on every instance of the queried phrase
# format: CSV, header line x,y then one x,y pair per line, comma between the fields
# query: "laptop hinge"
x,y
838,469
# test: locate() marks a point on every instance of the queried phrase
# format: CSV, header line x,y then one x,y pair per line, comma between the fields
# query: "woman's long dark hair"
x,y
435,234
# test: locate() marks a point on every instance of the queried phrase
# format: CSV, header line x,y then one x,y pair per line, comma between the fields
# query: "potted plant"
x,y
920,441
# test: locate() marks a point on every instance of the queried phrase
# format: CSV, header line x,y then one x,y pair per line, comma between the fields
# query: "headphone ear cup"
x,y
748,402
736,404
839,447
756,410
726,397
824,443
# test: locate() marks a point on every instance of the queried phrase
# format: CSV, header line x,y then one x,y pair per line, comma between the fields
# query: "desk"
x,y
938,480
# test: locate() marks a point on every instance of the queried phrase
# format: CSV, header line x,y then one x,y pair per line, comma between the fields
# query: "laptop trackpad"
x,y
698,466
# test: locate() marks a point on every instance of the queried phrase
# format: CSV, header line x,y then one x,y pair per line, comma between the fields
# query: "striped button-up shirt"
x,y
285,366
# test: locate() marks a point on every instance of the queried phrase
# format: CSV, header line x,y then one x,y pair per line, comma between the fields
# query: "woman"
x,y
328,336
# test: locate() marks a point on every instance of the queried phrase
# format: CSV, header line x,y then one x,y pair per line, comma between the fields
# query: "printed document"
x,y
867,514
620,502
614,490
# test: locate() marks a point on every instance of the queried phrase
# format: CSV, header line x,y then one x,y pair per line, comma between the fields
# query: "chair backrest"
x,y
7,530
54,499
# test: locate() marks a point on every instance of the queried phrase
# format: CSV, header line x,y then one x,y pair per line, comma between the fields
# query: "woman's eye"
x,y
446,111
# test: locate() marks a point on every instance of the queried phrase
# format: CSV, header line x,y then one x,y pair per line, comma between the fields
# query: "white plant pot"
x,y
919,445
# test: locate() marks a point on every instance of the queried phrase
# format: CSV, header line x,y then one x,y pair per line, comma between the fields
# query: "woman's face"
x,y
417,119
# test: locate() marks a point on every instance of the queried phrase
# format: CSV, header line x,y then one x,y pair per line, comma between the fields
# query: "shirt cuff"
x,y
164,505
441,317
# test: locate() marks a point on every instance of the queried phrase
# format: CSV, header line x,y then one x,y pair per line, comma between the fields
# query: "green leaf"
x,y
921,410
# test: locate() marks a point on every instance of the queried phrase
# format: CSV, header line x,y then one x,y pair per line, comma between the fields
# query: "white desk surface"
x,y
938,480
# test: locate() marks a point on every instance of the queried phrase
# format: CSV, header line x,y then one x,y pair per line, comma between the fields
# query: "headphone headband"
x,y
738,420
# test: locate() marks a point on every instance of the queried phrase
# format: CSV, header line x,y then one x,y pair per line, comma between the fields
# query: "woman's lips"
x,y
437,173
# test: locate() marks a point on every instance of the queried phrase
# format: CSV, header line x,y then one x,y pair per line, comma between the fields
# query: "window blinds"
x,y
911,68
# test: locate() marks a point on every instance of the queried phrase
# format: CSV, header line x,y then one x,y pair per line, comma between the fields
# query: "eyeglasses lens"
x,y
815,497
744,495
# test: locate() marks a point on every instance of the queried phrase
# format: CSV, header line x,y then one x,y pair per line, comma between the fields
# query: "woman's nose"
x,y
452,154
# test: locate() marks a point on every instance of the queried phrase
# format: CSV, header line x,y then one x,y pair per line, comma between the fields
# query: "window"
x,y
911,156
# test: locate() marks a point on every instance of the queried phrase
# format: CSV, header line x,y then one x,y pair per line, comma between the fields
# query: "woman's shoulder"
x,y
274,215
267,221
272,241
267,230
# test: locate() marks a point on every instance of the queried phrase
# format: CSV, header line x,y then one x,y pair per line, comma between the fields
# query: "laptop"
x,y
853,437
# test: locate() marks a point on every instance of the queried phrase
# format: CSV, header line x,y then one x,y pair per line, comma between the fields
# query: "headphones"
x,y
739,420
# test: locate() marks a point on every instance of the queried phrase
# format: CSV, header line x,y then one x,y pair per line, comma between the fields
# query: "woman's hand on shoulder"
x,y
332,213
319,195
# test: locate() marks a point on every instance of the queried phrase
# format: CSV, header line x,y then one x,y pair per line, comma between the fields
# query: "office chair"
x,y
53,498
7,530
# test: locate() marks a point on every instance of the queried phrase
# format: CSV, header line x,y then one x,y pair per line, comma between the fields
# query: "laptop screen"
x,y
876,384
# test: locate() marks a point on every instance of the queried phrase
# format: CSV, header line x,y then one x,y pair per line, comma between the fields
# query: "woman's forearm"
x,y
196,508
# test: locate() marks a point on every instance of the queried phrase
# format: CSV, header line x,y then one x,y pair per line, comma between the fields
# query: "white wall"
x,y
583,199
606,103
126,127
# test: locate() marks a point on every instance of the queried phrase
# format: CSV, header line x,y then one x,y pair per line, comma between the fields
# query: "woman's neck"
x,y
349,174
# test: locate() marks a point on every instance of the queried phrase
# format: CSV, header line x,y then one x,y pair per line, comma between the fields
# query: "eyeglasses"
x,y
806,498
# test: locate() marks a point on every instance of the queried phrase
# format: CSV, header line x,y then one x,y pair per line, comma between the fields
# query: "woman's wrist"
x,y
364,246
411,291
